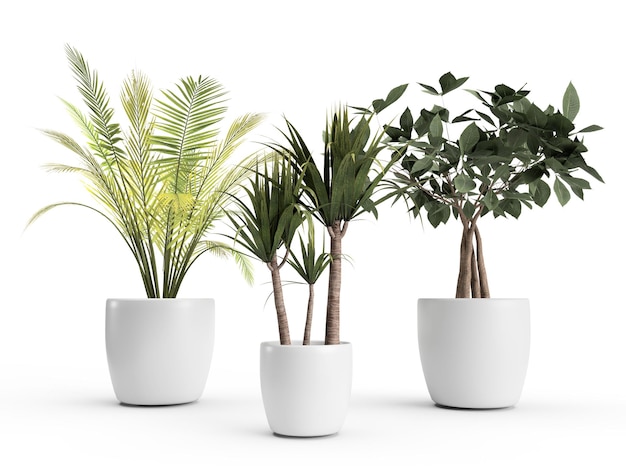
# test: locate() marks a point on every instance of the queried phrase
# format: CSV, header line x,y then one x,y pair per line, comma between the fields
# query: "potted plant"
x,y
306,387
162,183
506,156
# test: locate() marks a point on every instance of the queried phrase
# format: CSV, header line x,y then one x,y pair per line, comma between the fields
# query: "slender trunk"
x,y
279,302
472,281
475,281
463,287
336,232
482,270
309,316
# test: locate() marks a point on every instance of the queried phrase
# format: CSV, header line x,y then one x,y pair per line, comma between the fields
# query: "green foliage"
x,y
307,263
270,215
163,182
503,158
342,188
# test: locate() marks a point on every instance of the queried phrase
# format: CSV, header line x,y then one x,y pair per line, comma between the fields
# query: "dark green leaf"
x,y
578,182
591,128
503,90
502,172
516,137
422,164
429,89
491,200
392,97
436,127
449,82
406,123
469,209
592,172
536,117
540,191
486,117
560,124
464,117
463,183
437,213
512,206
562,194
571,102
469,138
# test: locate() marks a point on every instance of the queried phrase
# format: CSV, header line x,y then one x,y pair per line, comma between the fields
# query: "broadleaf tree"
x,y
506,155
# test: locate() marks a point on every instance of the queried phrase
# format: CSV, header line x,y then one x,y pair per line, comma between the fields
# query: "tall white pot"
x,y
474,352
159,350
306,389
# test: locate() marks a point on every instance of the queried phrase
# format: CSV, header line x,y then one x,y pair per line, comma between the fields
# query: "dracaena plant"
x,y
267,220
499,158
337,191
309,265
163,181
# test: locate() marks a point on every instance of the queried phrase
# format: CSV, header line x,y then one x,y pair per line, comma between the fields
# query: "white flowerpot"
x,y
474,352
159,350
306,389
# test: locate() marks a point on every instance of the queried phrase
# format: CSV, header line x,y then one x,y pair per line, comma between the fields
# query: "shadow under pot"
x,y
474,352
306,389
159,350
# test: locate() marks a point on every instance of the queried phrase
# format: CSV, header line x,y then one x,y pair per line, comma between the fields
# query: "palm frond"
x,y
270,217
342,186
164,181
224,251
307,264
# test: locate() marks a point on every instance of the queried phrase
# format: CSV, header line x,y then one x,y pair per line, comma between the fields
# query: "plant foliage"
x,y
267,221
339,190
164,181
499,158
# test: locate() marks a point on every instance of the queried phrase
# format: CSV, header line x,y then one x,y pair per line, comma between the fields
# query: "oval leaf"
x,y
562,194
464,184
491,200
540,192
571,103
469,138
436,127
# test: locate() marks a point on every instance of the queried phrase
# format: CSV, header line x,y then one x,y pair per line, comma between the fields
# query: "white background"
x,y
57,407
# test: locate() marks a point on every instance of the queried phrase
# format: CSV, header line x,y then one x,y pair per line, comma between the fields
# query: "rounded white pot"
x,y
474,352
159,350
306,389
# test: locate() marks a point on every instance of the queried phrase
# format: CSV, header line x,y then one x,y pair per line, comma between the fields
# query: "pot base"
x,y
474,352
159,350
306,389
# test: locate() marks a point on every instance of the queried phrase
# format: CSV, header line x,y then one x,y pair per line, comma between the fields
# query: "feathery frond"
x,y
164,182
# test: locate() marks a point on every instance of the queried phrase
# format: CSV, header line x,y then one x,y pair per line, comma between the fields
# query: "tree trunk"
x,y
309,316
475,281
482,270
279,302
472,281
464,283
336,232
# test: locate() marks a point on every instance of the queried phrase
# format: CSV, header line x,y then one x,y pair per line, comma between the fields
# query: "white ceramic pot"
x,y
306,389
159,350
474,352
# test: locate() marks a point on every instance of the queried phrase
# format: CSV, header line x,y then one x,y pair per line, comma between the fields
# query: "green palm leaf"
x,y
164,181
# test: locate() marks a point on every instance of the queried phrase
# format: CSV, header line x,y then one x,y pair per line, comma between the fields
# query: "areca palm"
x,y
339,190
163,183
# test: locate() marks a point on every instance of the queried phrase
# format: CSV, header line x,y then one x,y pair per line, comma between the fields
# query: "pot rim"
x,y
467,299
298,344
158,299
